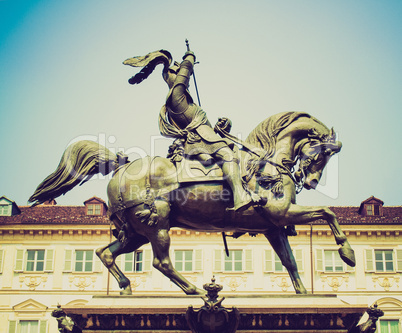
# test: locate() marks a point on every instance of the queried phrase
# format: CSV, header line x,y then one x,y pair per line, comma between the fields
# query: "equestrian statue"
x,y
210,181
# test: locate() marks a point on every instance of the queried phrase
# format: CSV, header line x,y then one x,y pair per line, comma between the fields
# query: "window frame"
x,y
320,263
220,260
21,260
94,209
5,209
84,261
388,320
273,264
133,261
371,263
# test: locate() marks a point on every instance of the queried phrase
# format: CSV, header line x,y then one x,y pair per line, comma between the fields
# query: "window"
x,y
5,210
389,326
384,261
93,209
237,261
81,261
272,262
329,261
29,326
332,261
234,263
188,260
84,260
1,260
34,260
133,262
183,260
369,210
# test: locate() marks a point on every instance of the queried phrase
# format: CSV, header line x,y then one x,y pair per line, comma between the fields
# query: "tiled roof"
x,y
53,215
350,215
76,215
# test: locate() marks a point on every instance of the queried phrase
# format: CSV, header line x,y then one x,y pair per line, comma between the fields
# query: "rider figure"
x,y
201,141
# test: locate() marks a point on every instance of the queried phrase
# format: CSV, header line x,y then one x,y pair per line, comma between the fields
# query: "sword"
x,y
195,82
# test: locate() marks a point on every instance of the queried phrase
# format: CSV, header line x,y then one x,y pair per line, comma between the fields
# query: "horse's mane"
x,y
265,136
266,132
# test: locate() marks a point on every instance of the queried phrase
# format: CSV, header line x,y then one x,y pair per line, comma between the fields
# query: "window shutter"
x,y
217,261
298,253
42,326
68,260
97,264
12,325
398,258
49,260
198,260
147,260
19,262
319,264
268,267
120,262
369,253
1,260
248,260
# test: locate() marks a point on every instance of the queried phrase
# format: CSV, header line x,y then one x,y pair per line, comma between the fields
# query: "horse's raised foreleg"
x,y
280,244
304,214
162,262
108,254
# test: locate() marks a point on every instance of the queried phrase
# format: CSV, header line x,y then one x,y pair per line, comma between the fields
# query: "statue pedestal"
x,y
258,313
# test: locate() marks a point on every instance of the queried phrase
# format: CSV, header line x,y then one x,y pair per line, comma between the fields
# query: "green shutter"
x,y
217,260
249,260
398,258
68,260
1,261
198,260
369,253
319,264
42,326
49,260
19,261
298,253
97,264
147,260
12,325
268,264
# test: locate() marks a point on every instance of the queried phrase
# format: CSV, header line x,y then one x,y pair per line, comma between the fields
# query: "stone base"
x,y
279,313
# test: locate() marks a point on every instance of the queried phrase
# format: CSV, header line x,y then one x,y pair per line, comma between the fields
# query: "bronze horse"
x,y
146,199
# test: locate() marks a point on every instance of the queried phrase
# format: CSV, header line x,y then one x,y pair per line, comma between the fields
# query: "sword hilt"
x,y
188,45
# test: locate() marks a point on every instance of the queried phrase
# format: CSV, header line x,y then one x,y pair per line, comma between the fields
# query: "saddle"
x,y
190,171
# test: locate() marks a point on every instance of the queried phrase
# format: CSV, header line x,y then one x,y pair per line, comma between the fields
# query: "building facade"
x,y
47,257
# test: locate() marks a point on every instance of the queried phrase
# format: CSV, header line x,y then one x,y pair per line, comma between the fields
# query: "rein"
x,y
265,180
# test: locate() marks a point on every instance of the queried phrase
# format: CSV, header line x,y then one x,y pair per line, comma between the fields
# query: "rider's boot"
x,y
242,199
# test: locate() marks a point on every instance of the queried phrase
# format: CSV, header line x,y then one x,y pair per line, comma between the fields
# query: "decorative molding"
x,y
234,281
136,280
82,281
32,281
334,281
386,281
281,281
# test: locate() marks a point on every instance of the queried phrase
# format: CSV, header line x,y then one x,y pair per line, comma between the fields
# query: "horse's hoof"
x,y
126,291
347,255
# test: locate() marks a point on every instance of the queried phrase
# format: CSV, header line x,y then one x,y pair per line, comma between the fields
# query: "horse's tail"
x,y
80,161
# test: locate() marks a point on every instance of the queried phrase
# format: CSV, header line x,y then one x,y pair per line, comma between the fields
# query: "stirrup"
x,y
242,207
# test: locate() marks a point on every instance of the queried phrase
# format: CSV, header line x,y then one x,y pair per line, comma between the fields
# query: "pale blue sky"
x,y
62,78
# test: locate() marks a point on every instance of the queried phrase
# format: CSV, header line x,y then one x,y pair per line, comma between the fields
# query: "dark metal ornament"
x,y
213,317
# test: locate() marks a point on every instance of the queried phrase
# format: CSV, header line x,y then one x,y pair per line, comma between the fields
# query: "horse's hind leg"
x,y
280,244
162,262
108,254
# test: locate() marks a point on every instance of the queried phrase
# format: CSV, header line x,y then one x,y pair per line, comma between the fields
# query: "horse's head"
x,y
314,155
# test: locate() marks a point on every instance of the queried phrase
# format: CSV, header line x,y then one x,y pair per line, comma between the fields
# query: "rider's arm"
x,y
179,97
